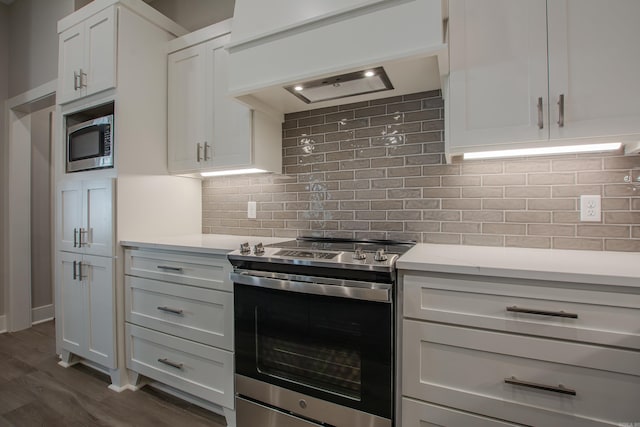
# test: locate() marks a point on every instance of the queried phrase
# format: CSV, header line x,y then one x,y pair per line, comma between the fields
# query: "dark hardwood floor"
x,y
36,391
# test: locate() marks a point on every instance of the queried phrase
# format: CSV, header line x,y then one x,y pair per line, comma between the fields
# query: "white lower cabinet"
x,y
179,323
480,351
200,370
422,414
85,307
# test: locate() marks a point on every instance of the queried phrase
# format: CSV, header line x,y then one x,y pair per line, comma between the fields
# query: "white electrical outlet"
x,y
251,210
590,208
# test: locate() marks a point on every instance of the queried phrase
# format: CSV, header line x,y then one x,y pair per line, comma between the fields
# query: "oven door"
x,y
337,349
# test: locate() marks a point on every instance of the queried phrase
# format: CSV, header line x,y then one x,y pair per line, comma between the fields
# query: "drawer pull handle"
x,y
177,311
169,268
556,389
560,313
170,363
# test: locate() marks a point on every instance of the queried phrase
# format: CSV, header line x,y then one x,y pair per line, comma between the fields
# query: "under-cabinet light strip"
x,y
232,172
520,152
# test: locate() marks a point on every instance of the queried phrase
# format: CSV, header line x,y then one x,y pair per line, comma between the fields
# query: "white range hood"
x,y
294,55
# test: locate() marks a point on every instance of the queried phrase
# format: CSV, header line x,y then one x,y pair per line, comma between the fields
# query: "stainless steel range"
x,y
314,332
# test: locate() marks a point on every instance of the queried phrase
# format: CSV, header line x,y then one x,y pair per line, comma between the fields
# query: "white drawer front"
x,y
607,318
207,271
198,314
466,368
422,414
200,370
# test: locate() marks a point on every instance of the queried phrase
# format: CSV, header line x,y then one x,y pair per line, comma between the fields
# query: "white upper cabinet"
x,y
187,127
498,71
232,121
512,61
85,217
87,60
594,61
207,129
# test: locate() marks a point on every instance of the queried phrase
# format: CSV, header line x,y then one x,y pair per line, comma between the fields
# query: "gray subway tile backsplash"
x,y
376,169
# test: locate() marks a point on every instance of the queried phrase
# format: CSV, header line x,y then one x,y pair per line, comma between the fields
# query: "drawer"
x,y
468,369
254,414
197,369
422,414
602,315
206,271
197,314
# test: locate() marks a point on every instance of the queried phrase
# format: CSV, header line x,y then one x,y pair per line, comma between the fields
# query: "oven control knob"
x,y
380,255
303,404
359,254
244,247
258,249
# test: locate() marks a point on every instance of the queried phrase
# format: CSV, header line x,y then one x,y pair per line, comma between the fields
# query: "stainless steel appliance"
x,y
90,144
314,332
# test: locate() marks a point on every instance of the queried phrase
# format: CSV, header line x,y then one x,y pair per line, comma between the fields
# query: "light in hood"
x,y
341,86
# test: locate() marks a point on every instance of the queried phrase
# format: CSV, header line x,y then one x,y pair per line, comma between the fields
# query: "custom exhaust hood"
x,y
294,55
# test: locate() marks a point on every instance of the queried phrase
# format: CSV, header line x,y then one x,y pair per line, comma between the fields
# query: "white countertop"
x,y
201,243
607,268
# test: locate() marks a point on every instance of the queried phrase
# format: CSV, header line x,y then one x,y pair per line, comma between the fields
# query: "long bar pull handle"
x,y
207,155
75,237
177,311
79,270
540,115
560,313
75,276
556,389
170,363
198,152
76,80
83,79
169,268
81,232
561,110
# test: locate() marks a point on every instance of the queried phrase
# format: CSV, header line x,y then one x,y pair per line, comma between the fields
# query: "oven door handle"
x,y
379,292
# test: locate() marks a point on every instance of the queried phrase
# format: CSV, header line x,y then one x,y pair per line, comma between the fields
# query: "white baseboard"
x,y
3,324
41,314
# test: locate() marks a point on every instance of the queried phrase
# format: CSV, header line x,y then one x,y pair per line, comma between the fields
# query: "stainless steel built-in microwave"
x,y
90,144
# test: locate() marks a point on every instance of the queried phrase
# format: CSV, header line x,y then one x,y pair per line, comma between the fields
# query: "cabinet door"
x,y
71,57
99,70
100,323
498,59
186,121
69,216
231,142
70,303
594,61
98,212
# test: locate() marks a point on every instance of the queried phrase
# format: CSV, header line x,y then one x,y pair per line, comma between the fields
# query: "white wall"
x,y
195,14
41,213
4,80
33,36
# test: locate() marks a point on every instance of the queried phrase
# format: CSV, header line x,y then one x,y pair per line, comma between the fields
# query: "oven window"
x,y
310,348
